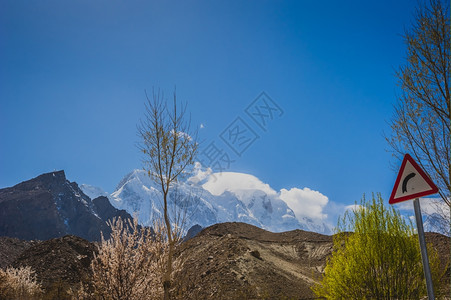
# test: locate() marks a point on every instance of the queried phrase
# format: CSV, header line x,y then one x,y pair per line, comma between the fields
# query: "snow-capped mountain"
x,y
138,195
92,191
436,222
435,213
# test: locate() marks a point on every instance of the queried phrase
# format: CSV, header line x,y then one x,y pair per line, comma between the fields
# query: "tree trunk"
x,y
167,275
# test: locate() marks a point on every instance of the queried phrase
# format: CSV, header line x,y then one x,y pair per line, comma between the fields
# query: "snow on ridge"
x,y
93,191
241,199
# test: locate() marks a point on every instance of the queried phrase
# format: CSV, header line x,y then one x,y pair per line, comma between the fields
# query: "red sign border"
x,y
434,189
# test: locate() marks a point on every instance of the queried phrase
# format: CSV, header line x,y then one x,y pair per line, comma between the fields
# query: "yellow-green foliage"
x,y
376,256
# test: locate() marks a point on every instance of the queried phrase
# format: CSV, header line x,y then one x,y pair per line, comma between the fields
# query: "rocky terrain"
x,y
241,261
224,261
51,206
59,263
11,248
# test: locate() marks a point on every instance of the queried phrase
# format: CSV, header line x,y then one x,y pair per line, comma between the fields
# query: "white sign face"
x,y
412,182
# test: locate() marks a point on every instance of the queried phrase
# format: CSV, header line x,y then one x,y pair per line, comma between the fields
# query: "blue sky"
x,y
73,75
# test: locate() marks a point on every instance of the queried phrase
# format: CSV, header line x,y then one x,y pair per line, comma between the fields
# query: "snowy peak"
x,y
92,191
136,175
229,197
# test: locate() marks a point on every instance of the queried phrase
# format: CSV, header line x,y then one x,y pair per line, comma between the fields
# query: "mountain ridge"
x,y
137,194
50,206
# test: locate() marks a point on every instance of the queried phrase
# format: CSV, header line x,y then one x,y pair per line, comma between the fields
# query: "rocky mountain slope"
x,y
11,248
241,261
59,263
50,206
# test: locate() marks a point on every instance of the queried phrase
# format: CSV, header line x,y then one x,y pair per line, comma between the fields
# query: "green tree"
x,y
169,147
376,256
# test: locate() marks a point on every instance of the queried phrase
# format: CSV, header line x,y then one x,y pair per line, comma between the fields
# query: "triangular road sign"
x,y
412,182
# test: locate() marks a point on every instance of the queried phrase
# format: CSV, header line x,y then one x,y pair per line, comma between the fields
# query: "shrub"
x,y
381,259
19,283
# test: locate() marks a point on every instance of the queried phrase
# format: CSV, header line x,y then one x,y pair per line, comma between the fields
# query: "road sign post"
x,y
413,183
424,250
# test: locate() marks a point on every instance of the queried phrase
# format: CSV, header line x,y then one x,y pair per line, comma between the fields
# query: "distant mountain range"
x,y
50,206
139,195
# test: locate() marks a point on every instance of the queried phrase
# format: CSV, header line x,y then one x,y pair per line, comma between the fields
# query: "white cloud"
x,y
199,174
237,183
305,202
182,135
354,207
428,206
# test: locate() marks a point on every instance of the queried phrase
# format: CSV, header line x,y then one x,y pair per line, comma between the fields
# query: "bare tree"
x,y
169,148
421,124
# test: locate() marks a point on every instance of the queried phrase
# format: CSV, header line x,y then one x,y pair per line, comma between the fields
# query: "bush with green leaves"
x,y
376,256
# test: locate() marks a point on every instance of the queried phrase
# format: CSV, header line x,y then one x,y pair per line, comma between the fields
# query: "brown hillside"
x,y
240,261
11,248
441,244
59,263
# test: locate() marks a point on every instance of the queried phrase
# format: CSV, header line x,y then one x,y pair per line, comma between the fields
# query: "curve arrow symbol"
x,y
404,182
